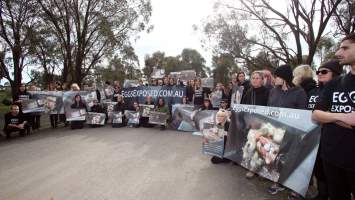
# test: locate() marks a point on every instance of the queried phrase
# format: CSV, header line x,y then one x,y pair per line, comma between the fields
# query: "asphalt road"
x,y
112,164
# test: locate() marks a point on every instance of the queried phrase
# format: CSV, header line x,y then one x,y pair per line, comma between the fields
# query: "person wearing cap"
x,y
285,95
325,73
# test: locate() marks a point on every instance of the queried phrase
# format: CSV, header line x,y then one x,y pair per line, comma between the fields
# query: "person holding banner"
x,y
16,122
161,107
120,107
222,121
35,117
325,73
335,111
206,105
136,109
53,115
145,119
116,92
256,95
285,95
78,104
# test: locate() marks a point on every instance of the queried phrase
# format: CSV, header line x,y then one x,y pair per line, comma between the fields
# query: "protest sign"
x,y
109,108
87,98
117,118
145,109
216,98
213,140
182,117
94,118
185,75
171,94
43,101
158,73
207,82
130,83
158,118
277,143
132,116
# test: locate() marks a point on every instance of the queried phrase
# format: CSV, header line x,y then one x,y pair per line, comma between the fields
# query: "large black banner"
x,y
277,143
171,94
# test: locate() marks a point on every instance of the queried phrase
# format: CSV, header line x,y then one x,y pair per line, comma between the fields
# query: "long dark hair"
x,y
158,104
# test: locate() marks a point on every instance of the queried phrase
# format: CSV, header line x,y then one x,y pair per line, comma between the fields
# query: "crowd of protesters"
x,y
329,98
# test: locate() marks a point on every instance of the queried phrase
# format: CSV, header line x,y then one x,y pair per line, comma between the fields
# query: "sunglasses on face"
x,y
324,71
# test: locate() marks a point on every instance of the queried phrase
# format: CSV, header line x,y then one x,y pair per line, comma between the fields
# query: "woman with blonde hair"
x,y
303,77
75,87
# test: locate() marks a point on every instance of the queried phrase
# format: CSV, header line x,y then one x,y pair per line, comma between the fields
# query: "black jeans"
x,y
8,130
54,120
341,182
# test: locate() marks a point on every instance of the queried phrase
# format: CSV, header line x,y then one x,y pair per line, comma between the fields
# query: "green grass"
x,y
4,95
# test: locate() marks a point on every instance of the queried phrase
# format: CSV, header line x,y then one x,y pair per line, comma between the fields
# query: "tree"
x,y
345,17
88,30
45,52
192,59
224,65
17,19
284,35
189,59
151,61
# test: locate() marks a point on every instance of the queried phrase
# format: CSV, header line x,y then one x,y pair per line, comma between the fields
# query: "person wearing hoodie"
x,y
303,77
257,94
285,95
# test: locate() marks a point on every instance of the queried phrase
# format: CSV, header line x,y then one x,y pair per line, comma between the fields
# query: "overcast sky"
x,y
173,21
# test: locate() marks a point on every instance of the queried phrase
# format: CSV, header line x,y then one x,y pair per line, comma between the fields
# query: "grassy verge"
x,y
4,108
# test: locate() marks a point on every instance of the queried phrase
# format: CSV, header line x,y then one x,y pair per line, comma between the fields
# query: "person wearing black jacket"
x,y
145,120
285,95
335,111
207,105
257,94
78,104
303,77
116,92
242,82
120,107
15,121
325,73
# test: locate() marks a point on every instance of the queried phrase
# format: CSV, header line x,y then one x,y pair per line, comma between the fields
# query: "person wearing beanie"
x,y
285,95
